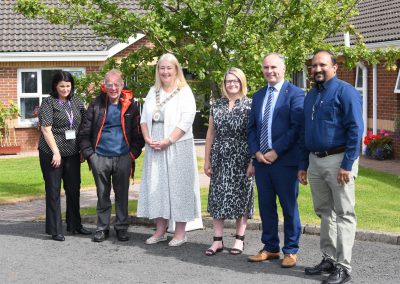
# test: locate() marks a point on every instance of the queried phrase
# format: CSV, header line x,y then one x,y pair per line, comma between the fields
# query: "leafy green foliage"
x,y
209,36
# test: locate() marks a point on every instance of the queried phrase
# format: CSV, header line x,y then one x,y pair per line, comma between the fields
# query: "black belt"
x,y
330,152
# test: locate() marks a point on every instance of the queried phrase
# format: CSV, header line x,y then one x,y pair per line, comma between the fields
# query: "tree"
x,y
209,36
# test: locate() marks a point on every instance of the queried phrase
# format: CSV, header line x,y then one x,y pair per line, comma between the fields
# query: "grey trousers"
x,y
115,171
334,205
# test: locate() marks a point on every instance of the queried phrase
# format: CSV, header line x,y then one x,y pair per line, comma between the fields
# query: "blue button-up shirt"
x,y
332,118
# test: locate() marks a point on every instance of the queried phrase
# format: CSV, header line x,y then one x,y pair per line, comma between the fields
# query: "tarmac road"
x,y
27,255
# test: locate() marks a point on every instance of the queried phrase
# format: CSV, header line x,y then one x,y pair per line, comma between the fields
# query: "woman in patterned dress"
x,y
169,188
60,116
228,161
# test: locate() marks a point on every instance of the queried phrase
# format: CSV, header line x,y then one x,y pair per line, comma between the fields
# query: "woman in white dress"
x,y
169,185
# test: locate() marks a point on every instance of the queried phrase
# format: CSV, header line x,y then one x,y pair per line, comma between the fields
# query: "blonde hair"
x,y
180,78
242,79
114,72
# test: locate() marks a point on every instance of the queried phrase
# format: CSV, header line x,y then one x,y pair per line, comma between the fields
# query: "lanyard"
x,y
70,115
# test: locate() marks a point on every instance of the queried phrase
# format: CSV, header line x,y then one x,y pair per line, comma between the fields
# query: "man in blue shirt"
x,y
330,144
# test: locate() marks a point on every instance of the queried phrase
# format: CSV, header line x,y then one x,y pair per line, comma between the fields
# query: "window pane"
x,y
29,82
76,74
359,83
298,79
398,82
47,77
28,106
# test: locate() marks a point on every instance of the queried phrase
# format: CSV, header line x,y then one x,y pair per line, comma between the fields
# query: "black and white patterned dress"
x,y
231,193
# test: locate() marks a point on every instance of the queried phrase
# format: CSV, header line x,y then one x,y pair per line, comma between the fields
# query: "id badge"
x,y
70,134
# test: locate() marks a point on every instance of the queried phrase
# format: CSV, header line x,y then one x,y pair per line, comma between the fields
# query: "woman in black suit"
x,y
60,116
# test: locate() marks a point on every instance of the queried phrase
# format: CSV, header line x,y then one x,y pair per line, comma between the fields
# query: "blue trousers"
x,y
272,181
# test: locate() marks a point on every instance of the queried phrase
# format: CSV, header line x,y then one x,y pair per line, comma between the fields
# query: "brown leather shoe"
x,y
263,255
289,260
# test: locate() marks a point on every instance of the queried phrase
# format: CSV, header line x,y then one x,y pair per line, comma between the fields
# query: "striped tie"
x,y
264,126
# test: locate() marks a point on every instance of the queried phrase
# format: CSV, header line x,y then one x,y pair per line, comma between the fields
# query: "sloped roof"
x,y
377,21
19,34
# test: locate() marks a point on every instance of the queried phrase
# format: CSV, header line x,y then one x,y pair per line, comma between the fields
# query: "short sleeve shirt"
x,y
54,113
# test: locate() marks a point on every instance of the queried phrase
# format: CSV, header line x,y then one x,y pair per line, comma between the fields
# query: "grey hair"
x,y
113,72
279,55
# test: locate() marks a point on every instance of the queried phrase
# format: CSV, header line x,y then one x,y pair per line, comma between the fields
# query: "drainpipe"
x,y
374,98
365,104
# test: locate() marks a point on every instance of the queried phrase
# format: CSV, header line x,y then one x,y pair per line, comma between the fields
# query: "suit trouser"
x,y
70,172
334,204
115,171
278,180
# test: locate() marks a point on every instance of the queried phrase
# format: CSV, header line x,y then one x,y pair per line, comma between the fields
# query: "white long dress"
x,y
169,184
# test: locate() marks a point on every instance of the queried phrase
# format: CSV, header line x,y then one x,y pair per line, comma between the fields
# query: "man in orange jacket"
x,y
110,139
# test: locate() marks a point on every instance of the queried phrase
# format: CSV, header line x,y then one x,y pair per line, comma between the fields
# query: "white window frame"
x,y
305,75
363,90
397,90
26,123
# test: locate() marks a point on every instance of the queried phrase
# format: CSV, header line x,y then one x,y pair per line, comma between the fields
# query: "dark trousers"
x,y
277,180
115,171
70,173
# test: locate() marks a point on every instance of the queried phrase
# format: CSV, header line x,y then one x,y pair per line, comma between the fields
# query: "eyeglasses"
x,y
232,82
110,85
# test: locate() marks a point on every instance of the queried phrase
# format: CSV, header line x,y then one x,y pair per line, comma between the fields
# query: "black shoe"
x,y
101,236
59,237
340,275
122,235
325,266
82,231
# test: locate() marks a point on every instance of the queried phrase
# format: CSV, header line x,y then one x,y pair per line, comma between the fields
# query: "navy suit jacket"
x,y
286,123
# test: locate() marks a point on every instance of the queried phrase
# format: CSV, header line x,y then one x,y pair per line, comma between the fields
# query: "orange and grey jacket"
x,y
92,125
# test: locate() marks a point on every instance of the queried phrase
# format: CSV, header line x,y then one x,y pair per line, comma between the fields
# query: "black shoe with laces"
x,y
101,236
122,235
325,266
339,276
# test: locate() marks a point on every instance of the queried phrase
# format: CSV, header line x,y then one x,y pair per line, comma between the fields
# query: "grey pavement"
x,y
27,255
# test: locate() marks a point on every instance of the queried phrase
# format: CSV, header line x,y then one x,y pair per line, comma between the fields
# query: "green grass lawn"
x,y
21,178
377,194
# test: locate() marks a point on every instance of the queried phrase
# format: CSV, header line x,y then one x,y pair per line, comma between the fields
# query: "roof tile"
x,y
19,34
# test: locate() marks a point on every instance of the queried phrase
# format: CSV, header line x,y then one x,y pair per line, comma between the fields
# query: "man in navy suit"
x,y
273,133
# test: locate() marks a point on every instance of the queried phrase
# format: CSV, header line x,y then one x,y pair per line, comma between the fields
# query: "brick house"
x,y
30,50
379,23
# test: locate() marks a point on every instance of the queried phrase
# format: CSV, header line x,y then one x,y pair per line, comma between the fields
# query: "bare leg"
x,y
218,225
241,224
161,227
180,232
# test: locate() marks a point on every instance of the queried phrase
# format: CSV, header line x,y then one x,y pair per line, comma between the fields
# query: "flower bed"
x,y
379,146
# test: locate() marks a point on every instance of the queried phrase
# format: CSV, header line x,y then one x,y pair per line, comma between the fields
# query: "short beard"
x,y
320,82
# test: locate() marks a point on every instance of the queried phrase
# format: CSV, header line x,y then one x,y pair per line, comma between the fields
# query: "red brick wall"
x,y
8,84
133,47
28,138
